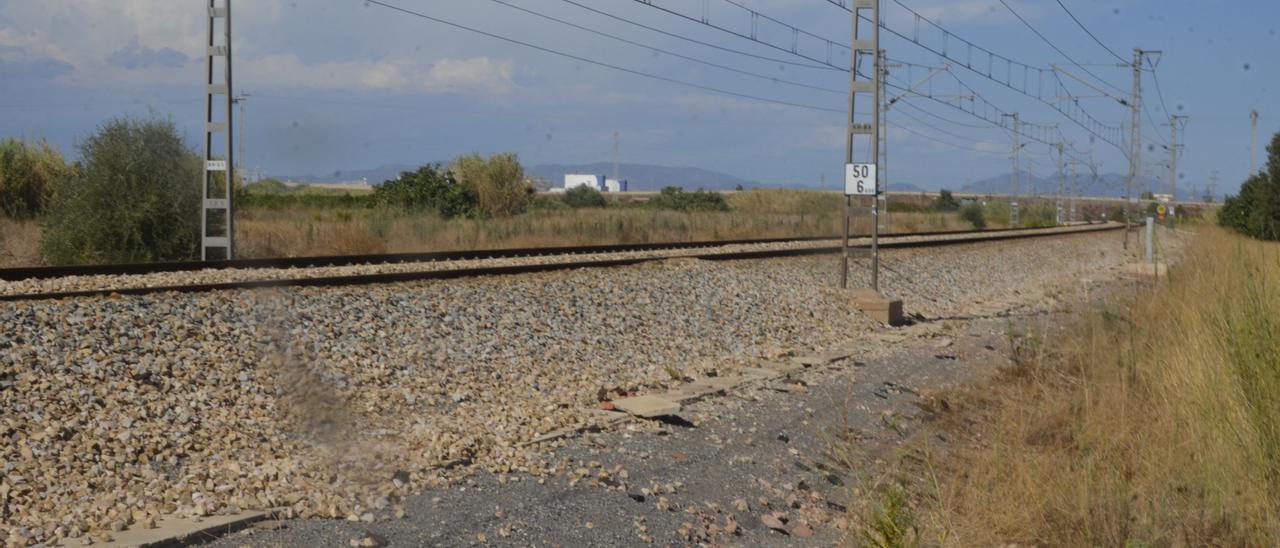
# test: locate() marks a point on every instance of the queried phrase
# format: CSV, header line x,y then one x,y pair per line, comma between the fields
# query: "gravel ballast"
x,y
339,402
79,283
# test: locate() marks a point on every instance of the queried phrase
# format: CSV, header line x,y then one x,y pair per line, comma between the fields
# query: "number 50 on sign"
x,y
860,179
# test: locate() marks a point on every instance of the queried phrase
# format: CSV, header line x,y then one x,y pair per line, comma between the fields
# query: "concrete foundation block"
x,y
880,308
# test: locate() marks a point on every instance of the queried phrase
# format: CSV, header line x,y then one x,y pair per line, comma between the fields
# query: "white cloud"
x,y
93,36
477,75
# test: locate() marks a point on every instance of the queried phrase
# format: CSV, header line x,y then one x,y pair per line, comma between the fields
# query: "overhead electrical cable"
x,y
1159,92
1090,33
945,132
948,143
993,115
753,36
1112,135
773,79
1055,46
596,62
694,40
945,119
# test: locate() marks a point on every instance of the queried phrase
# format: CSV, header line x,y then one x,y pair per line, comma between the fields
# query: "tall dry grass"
x,y
302,231
299,229
19,243
1155,422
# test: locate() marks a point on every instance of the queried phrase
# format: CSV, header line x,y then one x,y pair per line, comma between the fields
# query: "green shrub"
x,y
498,183
584,196
1038,216
30,173
676,199
134,198
277,202
430,187
545,202
945,203
998,213
975,215
1256,210
899,206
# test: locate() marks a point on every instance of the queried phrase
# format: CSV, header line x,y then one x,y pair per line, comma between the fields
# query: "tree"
x,y
135,197
430,187
1256,210
975,215
498,182
945,202
675,198
584,196
30,174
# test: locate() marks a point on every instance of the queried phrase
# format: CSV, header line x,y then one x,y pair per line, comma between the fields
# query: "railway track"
x,y
892,241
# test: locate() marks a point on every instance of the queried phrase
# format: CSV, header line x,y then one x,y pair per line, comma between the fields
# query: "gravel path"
x,y
171,279
117,411
762,451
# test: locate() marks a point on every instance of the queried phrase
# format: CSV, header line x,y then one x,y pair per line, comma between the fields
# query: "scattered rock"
x,y
799,529
775,521
369,540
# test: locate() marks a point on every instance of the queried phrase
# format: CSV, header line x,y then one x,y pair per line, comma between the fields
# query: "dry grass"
x,y
1154,422
300,231
19,243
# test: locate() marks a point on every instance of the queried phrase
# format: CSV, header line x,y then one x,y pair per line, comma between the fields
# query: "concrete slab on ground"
x,y
184,531
647,406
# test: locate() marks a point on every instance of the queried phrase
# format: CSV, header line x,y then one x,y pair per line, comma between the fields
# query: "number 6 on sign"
x,y
860,180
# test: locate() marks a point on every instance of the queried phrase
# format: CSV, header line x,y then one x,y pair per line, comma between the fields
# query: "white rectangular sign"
x,y
215,165
860,180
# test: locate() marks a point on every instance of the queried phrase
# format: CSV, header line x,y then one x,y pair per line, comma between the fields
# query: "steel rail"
x,y
968,237
135,269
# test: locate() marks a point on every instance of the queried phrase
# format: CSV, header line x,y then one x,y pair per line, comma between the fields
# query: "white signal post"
x,y
217,185
860,178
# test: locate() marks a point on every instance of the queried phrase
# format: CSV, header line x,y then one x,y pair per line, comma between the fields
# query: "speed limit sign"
x,y
860,179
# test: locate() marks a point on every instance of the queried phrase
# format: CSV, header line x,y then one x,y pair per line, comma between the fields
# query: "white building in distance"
x,y
598,182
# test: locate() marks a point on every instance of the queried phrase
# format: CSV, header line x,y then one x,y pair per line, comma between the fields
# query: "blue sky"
x,y
341,84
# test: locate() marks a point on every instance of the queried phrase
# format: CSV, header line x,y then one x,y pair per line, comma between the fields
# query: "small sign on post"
x,y
860,180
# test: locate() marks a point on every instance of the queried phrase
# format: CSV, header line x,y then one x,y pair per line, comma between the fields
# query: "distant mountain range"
x,y
1109,184
375,176
653,177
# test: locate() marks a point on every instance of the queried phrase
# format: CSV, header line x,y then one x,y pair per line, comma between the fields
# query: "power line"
x,y
756,17
948,120
991,113
1156,77
1111,135
1055,46
945,132
694,40
87,106
1090,33
595,62
671,53
948,143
